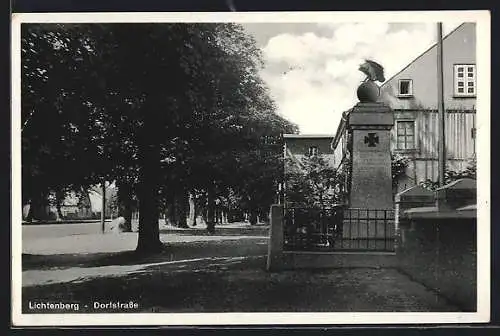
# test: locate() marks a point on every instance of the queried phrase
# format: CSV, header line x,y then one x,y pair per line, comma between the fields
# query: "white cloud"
x,y
323,70
297,49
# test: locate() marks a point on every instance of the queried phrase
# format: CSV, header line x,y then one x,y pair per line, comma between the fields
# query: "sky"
x,y
312,71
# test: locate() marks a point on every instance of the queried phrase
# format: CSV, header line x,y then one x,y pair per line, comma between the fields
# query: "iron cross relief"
x,y
371,139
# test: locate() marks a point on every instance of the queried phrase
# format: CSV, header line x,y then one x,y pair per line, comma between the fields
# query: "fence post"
x,y
275,246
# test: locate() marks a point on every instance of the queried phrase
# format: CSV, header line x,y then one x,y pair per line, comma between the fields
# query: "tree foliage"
x,y
312,182
451,175
399,164
162,109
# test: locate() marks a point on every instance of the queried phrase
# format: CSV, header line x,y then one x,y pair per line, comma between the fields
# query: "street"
x,y
37,231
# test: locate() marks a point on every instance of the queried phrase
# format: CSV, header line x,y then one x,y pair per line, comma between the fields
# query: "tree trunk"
x,y
149,156
149,231
183,210
38,207
84,202
166,214
254,213
60,196
192,206
221,217
204,215
59,215
265,217
172,212
210,211
127,215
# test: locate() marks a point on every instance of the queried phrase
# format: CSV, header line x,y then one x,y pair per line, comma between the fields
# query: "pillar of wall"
x,y
275,246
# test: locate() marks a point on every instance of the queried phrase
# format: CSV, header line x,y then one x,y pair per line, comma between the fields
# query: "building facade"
x,y
296,146
412,94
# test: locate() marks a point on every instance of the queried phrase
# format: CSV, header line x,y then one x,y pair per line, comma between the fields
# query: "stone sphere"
x,y
368,92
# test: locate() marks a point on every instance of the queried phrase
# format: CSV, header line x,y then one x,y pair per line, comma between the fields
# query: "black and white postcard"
x,y
250,168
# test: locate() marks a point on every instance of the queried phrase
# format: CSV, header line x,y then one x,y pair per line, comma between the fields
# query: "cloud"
x,y
313,75
298,49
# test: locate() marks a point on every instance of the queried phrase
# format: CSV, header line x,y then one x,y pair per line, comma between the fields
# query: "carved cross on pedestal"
x,y
371,139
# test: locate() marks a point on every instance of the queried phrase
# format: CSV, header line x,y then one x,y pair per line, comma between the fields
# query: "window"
x,y
405,134
465,80
405,87
313,151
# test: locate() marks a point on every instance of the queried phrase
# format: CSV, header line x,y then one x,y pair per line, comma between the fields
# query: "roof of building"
x,y
308,136
463,183
435,213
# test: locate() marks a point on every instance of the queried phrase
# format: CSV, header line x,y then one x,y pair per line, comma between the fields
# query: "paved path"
x,y
240,284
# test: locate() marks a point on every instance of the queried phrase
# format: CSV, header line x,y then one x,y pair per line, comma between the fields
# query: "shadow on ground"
x,y
258,230
172,251
243,285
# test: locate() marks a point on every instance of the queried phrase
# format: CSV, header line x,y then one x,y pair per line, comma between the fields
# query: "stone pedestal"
x,y
371,178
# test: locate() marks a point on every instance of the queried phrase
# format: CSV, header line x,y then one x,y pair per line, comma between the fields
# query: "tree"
x,y
399,164
159,108
58,142
213,156
312,182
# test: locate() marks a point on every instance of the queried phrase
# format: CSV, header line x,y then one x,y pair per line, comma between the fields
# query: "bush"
x,y
450,175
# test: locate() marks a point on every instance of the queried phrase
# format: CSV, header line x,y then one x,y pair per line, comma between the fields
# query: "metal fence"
x,y
338,229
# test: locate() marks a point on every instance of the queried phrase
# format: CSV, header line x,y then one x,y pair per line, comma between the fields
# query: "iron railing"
x,y
338,229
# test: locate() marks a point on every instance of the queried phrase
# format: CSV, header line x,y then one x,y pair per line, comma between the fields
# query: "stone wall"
x,y
436,241
441,254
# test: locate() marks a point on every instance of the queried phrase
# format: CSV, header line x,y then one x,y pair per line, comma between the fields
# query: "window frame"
x,y
467,82
396,143
410,87
313,151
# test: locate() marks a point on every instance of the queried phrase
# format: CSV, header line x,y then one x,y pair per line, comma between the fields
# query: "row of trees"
x,y
164,110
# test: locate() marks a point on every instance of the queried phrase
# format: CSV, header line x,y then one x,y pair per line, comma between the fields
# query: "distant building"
x,y
74,207
412,94
80,205
299,145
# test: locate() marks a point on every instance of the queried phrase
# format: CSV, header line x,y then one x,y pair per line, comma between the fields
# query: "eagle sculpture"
x,y
373,71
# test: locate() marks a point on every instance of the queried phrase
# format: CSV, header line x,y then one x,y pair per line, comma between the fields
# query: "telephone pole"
x,y
103,203
441,110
